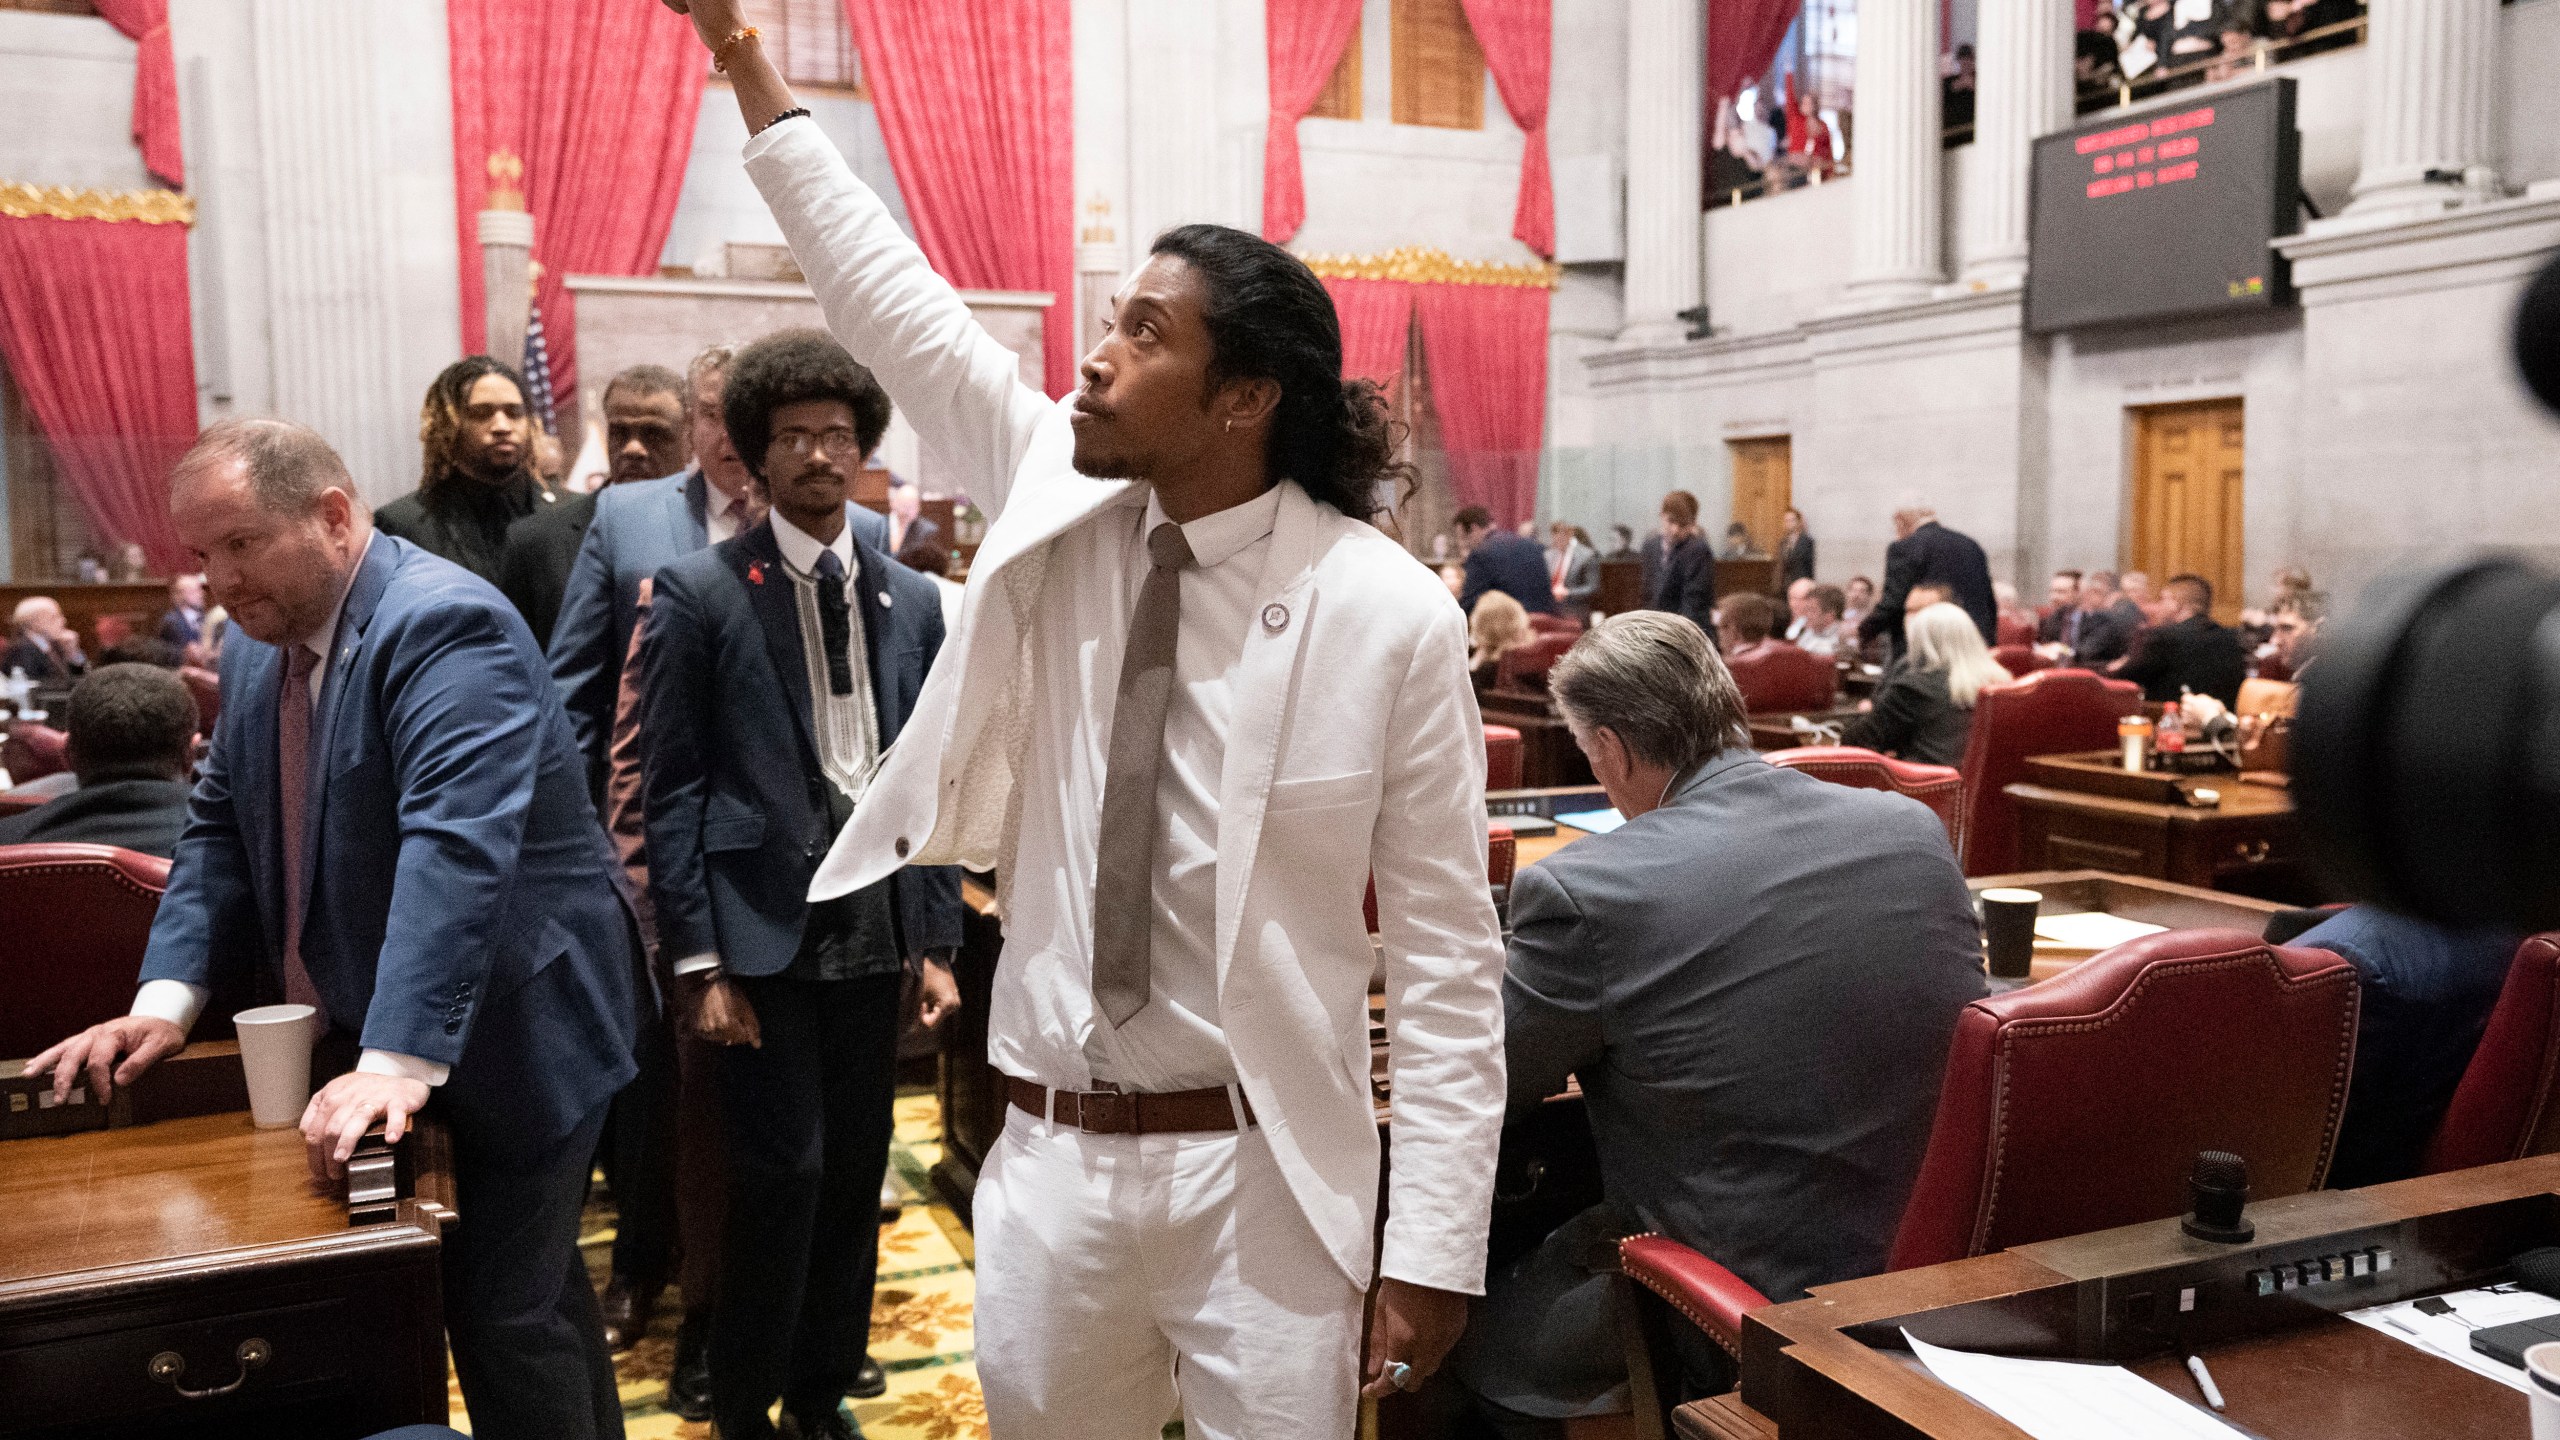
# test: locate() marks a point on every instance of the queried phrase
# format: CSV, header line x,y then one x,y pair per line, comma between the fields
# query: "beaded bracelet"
x,y
802,112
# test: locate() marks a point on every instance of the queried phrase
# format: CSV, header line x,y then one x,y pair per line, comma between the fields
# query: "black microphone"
x,y
2217,1189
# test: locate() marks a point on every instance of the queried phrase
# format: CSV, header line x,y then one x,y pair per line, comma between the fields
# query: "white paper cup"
x,y
275,1055
2542,1378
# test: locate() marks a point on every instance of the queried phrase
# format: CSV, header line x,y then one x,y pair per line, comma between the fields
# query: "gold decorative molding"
x,y
1421,265
59,202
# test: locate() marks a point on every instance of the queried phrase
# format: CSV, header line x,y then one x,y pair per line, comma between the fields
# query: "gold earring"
x,y
1231,427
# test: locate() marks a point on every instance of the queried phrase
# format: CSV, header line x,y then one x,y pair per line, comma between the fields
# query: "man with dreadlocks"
x,y
478,478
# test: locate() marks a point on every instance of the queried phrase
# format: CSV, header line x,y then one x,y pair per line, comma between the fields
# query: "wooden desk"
x,y
1827,1366
183,1276
1548,756
2251,842
1775,729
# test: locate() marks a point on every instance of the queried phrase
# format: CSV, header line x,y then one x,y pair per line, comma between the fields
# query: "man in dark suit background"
x,y
478,479
42,643
392,826
1499,560
778,667
132,741
182,624
1685,584
645,437
2190,652
1760,1080
1926,552
908,529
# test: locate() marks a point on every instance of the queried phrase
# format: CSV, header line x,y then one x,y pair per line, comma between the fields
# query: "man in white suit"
x,y
1189,710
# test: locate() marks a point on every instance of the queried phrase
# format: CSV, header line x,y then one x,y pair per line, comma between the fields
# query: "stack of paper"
x,y
2092,930
2070,1400
2450,1335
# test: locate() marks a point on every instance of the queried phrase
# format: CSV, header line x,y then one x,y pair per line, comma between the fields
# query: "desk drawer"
x,y
224,1366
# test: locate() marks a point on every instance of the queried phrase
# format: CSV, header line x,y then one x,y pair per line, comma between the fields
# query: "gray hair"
x,y
1651,677
714,360
289,465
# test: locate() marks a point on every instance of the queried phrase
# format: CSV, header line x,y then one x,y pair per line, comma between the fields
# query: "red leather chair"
x,y
33,751
2020,660
2014,630
206,686
2047,713
1504,754
1940,787
114,630
2079,1104
1555,624
2503,1108
13,802
1526,667
1781,676
79,917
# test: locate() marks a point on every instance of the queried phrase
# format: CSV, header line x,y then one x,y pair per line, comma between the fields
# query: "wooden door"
x,y
1763,488
2186,497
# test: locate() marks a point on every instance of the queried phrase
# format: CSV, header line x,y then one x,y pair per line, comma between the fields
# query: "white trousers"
x,y
1119,1273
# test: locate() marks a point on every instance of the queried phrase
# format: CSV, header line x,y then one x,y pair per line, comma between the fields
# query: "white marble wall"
x,y
719,204
69,115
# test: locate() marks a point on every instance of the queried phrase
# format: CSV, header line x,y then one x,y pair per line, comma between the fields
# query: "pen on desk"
x,y
2204,1381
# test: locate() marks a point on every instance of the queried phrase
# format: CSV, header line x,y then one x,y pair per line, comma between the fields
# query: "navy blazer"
x,y
463,906
737,811
1513,564
640,527
1933,554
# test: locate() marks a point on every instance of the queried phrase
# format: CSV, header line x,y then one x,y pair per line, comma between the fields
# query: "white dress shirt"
x,y
1042,1021
180,1003
722,516
847,726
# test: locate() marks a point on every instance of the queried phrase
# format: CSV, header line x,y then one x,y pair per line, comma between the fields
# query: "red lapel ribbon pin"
x,y
755,572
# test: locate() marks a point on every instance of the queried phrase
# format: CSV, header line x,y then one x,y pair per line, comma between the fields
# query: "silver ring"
x,y
1398,1374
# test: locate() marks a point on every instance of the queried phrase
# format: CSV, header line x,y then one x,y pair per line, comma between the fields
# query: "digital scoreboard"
x,y
2165,212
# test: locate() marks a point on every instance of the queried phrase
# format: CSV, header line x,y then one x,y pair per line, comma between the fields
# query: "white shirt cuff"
x,y
405,1067
695,964
175,1001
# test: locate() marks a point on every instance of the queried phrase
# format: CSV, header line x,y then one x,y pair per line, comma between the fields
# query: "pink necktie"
x,y
293,771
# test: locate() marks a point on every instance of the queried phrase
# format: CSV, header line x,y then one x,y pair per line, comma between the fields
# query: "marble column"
x,y
506,260
331,326
2430,86
2023,69
1666,139
1896,152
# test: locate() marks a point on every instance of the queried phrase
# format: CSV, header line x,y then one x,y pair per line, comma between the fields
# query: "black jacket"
x,y
2194,654
2097,637
1687,584
138,812
533,571
463,520
1914,719
1795,560
1936,555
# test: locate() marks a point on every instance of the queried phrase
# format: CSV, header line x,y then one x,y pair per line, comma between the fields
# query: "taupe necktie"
x,y
1124,877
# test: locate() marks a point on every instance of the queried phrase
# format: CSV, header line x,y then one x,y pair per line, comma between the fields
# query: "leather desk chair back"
x,y
34,751
2048,713
1940,787
79,917
2503,1109
114,630
2265,697
2014,630
1527,666
2079,1104
1504,755
2020,660
206,687
1555,625
17,802
1786,677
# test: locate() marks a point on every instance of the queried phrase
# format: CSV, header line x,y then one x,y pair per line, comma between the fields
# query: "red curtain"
x,y
1376,317
597,99
155,84
977,106
1742,38
1487,349
1518,39
1306,39
94,329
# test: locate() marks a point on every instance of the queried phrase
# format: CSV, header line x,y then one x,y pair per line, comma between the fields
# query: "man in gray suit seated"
x,y
1755,979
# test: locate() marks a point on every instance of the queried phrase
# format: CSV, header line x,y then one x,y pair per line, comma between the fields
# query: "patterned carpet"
x,y
920,1318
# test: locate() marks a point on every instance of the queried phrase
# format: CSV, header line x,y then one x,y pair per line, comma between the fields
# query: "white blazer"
x,y
1355,749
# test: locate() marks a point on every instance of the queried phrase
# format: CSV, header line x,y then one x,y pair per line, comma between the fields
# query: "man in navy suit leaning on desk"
x,y
392,825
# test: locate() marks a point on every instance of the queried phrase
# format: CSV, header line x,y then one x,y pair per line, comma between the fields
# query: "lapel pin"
x,y
1275,617
884,599
755,572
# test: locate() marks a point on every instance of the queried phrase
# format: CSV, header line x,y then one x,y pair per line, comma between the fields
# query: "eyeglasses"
x,y
838,441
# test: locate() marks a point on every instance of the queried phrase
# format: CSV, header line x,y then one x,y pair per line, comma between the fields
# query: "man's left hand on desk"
x,y
335,1121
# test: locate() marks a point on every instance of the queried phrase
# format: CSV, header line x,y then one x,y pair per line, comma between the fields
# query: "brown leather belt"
x,y
1114,1112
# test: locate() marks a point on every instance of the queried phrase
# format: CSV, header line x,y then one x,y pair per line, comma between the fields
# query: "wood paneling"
x,y
1763,486
2187,497
1439,69
1340,98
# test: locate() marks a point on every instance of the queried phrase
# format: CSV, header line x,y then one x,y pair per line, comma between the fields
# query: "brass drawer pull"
x,y
2253,852
168,1365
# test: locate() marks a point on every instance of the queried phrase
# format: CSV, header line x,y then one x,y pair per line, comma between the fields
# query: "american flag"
x,y
537,370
